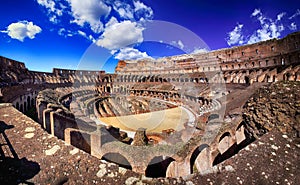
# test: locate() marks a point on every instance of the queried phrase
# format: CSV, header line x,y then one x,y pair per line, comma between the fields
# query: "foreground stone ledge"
x,y
54,162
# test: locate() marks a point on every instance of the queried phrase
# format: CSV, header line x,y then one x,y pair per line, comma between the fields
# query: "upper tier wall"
x,y
263,54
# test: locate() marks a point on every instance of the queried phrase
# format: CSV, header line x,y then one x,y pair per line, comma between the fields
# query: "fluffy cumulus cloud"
x,y
142,11
53,11
130,54
21,30
178,44
90,12
124,10
268,28
293,26
111,24
200,50
235,36
104,19
120,35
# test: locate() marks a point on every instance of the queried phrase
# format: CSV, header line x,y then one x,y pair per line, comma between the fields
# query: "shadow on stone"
x,y
12,169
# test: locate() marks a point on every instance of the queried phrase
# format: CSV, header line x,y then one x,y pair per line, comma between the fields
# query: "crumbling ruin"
x,y
213,93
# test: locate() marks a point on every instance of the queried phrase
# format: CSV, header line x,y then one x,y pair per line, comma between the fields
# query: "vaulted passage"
x,y
158,166
229,153
196,154
118,159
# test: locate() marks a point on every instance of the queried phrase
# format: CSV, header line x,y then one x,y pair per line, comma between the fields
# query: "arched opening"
x,y
274,78
286,76
213,116
226,134
28,103
226,155
32,101
21,107
108,89
118,159
17,106
226,148
25,107
158,166
247,80
225,79
243,138
195,155
267,79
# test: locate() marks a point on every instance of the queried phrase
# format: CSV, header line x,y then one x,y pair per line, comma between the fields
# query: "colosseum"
x,y
225,116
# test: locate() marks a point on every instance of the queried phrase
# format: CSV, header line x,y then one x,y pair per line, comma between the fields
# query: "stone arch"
x,y
198,158
158,166
32,101
226,148
226,134
118,159
282,61
267,78
241,137
274,78
21,108
28,103
286,76
213,116
17,106
25,106
247,80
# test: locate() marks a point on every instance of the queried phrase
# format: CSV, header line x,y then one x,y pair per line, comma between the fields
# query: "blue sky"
x,y
94,34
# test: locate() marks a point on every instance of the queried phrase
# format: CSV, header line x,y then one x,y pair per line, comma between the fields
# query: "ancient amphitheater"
x,y
184,119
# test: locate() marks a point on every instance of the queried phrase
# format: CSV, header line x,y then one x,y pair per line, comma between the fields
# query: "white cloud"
x,y
21,30
52,10
178,44
142,11
65,33
61,31
268,28
125,11
235,36
130,54
200,50
111,22
256,12
293,26
295,14
81,33
90,12
120,35
53,19
50,5
91,38
279,16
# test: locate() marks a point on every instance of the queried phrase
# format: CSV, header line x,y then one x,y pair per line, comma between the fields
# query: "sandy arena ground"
x,y
153,121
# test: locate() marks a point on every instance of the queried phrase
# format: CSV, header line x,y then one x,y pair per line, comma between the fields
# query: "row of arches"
x,y
25,102
200,159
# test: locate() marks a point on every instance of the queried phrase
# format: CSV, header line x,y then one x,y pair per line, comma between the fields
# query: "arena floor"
x,y
156,121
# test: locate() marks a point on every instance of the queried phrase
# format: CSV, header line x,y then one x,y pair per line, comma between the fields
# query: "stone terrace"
x,y
28,154
29,151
